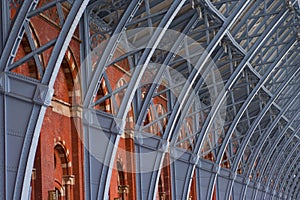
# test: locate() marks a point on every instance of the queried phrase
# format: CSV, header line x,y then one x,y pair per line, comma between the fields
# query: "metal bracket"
x,y
163,146
43,95
216,168
3,85
194,159
117,126
233,176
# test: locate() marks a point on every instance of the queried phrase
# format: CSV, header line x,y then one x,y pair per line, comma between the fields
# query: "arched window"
x,y
63,180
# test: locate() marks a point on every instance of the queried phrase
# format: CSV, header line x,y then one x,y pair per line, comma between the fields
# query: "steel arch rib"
x,y
295,191
230,83
142,114
133,84
137,75
34,106
100,68
17,30
153,43
151,91
267,133
263,168
144,193
295,148
265,136
91,83
288,172
263,111
171,127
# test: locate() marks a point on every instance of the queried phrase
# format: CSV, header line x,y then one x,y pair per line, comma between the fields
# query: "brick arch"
x,y
62,169
68,65
64,156
71,70
68,73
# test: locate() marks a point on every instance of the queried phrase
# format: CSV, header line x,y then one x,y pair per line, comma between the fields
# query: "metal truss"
x,y
288,180
230,104
24,99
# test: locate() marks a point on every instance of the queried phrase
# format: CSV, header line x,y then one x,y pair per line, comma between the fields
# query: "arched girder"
x,y
94,169
16,33
154,174
283,166
264,139
143,111
270,174
274,146
287,180
263,111
106,55
143,177
184,113
249,55
145,58
19,141
184,95
119,119
294,183
4,23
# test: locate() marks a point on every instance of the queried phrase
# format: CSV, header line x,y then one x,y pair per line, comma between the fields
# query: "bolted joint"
x,y
3,85
117,126
233,176
216,168
194,159
163,146
257,185
43,95
247,181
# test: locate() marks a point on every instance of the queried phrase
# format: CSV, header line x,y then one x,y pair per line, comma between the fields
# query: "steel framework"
x,y
230,81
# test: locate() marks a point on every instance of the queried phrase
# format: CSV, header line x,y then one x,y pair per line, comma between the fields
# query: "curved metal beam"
x,y
95,170
155,173
100,68
264,110
274,146
264,139
16,33
147,54
286,174
294,192
32,99
185,94
135,80
283,166
275,22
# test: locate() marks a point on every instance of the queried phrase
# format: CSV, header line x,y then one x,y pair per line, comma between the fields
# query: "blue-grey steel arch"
x,y
287,180
262,113
15,171
265,136
32,99
293,181
290,154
